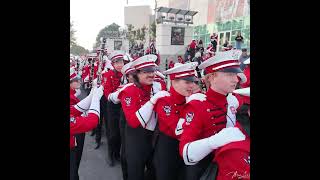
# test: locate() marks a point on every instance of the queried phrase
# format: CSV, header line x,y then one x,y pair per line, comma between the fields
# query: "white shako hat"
x,y
183,71
243,91
145,63
116,55
126,69
227,61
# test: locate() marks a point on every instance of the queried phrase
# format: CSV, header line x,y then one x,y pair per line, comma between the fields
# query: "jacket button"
x,y
208,110
212,117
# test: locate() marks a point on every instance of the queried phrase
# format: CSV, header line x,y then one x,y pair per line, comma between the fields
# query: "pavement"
x,y
94,162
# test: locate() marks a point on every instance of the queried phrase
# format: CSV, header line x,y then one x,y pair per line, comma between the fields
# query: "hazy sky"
x,y
90,16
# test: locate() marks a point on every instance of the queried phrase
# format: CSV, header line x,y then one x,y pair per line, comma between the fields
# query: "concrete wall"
x,y
163,42
125,44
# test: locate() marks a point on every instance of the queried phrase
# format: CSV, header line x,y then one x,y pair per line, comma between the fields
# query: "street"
x,y
94,162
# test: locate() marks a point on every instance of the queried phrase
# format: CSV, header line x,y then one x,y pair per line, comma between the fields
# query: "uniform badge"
x,y
167,110
189,117
73,120
128,101
233,110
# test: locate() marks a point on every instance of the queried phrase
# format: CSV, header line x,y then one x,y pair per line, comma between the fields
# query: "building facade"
x,y
224,17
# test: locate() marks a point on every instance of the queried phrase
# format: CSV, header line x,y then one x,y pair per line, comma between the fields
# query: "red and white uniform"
x,y
170,110
80,124
208,117
205,120
112,80
85,71
233,161
133,98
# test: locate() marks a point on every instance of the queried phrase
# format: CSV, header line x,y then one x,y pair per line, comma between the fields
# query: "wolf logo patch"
x,y
128,101
189,117
167,110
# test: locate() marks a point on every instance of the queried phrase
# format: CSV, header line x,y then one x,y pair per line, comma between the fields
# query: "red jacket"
x,y
85,72
233,160
132,99
73,99
204,119
193,45
170,109
79,124
112,80
171,64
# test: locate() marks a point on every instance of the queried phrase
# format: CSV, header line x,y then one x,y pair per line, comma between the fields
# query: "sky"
x,y
90,16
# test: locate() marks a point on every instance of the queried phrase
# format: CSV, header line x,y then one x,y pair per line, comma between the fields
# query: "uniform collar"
x,y
146,87
176,97
216,98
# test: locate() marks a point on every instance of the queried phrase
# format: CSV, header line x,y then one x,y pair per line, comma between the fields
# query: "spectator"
x,y
171,64
214,41
226,43
187,52
180,60
244,56
239,40
200,47
193,45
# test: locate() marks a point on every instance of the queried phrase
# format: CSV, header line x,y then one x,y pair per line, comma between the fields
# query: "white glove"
x,y
195,151
78,92
95,103
196,96
94,82
86,79
84,104
243,91
114,96
158,95
226,136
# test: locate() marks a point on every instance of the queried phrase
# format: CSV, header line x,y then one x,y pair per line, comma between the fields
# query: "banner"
x,y
177,36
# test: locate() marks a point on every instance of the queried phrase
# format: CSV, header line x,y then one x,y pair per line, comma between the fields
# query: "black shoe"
x,y
117,156
111,160
98,145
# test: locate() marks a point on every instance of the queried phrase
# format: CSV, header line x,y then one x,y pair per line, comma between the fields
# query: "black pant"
x,y
123,160
103,110
79,148
192,53
138,150
214,45
194,172
73,165
167,161
98,129
114,140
